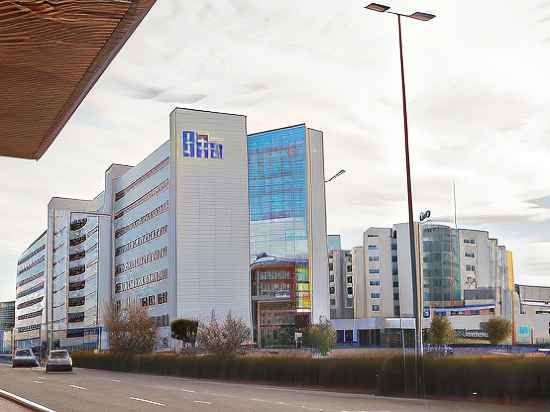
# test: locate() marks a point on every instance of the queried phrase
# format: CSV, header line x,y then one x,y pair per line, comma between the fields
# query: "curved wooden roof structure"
x,y
51,54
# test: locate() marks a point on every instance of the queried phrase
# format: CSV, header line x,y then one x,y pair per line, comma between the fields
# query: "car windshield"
x,y
59,355
23,353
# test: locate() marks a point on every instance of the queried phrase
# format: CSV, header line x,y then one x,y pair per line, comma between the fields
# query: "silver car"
x,y
59,360
24,357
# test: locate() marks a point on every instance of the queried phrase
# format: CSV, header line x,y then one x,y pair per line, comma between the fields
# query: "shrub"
x,y
223,339
498,378
131,330
441,331
321,337
498,330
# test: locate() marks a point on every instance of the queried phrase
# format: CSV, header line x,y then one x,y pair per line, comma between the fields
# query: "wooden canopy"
x,y
51,54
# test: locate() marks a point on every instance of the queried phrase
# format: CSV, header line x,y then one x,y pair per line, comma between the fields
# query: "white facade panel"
x,y
211,216
317,227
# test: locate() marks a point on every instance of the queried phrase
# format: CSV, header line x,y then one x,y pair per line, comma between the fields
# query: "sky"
x,y
477,92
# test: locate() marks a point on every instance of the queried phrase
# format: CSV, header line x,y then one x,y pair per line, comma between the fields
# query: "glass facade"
x,y
440,265
277,179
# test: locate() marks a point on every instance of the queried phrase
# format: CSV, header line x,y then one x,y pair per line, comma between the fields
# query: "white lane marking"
x,y
78,387
30,404
204,402
115,380
38,382
259,400
187,390
147,401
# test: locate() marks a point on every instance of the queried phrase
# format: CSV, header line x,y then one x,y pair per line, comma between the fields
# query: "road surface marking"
x,y
146,401
115,380
187,390
204,402
38,382
78,387
259,400
29,404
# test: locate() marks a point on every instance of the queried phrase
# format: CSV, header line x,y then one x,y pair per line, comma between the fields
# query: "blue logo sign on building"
x,y
201,146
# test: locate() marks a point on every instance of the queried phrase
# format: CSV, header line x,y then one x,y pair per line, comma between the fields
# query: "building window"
x,y
470,268
374,271
332,290
374,283
470,241
350,291
331,266
374,258
396,296
375,295
151,300
333,302
394,258
349,268
376,308
395,284
144,302
349,303
470,254
162,298
372,247
331,278
350,279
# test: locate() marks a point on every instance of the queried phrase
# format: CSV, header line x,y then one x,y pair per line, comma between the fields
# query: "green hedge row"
x,y
504,378
356,374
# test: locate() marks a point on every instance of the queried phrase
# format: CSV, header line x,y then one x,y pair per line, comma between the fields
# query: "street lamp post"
x,y
417,286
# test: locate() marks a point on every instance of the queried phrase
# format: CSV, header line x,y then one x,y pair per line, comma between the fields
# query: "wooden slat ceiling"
x,y
51,54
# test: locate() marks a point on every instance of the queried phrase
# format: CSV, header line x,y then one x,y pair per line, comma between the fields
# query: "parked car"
x,y
59,360
24,357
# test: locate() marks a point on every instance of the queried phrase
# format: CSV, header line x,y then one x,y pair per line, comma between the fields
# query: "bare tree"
x,y
131,330
223,339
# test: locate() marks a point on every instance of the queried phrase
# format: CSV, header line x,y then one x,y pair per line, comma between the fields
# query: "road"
x,y
93,390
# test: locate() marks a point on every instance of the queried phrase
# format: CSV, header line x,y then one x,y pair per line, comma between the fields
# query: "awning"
x,y
51,54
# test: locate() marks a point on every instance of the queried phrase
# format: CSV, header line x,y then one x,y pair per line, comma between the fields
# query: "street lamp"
x,y
341,172
417,286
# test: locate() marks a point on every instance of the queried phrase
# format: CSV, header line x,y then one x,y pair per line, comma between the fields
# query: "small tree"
x,y
185,330
498,330
223,339
441,331
321,337
131,330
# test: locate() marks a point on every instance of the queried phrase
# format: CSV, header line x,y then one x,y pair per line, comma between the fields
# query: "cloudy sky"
x,y
477,83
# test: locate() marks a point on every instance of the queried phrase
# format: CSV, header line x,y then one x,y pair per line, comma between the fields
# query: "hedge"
x,y
358,374
512,378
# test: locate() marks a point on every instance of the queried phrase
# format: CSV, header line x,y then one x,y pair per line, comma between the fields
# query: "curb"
x,y
33,406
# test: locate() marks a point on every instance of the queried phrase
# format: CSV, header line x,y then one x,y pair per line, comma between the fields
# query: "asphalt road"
x,y
93,390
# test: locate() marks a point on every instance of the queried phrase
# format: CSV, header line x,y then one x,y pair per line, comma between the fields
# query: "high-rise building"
x,y
7,315
287,225
341,293
30,299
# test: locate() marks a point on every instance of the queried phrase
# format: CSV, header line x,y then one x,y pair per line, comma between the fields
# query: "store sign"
x,y
200,145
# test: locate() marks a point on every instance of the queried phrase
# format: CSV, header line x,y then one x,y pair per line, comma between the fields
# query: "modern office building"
x,y
7,322
7,315
288,225
170,234
30,300
532,314
78,272
340,274
465,276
